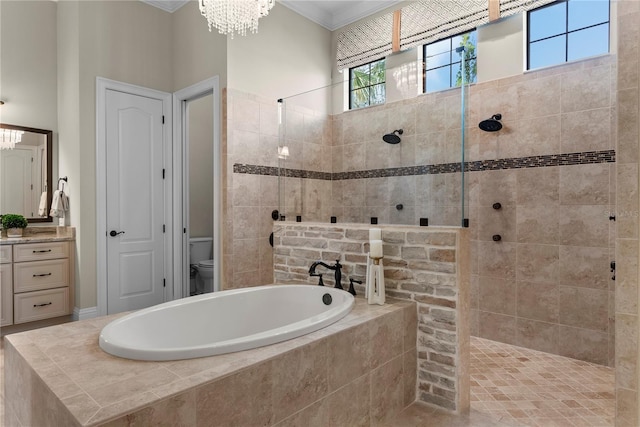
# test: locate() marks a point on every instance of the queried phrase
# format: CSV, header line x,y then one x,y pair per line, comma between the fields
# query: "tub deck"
x,y
59,375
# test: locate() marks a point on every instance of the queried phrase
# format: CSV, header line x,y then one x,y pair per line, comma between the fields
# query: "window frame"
x,y
451,51
351,89
565,33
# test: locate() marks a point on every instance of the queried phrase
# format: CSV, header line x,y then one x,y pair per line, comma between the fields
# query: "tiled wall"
x,y
429,266
627,254
251,138
546,284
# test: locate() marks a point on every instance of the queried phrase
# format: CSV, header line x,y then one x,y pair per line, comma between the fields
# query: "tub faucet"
x,y
337,269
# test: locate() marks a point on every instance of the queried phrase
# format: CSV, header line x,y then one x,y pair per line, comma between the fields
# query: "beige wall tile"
x,y
497,327
584,267
583,344
539,97
584,308
225,400
497,259
410,375
497,295
626,283
584,184
538,186
627,351
179,410
538,301
350,405
538,224
497,186
537,263
351,350
300,378
626,408
500,222
586,89
387,392
583,225
588,130
385,339
628,126
539,336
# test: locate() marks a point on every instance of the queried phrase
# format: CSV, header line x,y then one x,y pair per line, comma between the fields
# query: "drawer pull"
x,y
42,251
42,305
42,275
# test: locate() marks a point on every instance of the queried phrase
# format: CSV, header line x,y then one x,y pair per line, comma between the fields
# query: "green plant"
x,y
13,221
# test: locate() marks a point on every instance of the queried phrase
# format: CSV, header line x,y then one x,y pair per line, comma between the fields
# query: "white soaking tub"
x,y
224,322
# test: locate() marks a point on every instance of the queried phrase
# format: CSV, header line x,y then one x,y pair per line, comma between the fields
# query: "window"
x,y
443,62
567,30
367,85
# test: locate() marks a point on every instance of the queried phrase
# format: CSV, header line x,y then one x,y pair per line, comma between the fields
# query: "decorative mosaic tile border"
x,y
586,157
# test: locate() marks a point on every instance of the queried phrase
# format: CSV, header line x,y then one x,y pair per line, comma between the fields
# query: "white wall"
x,y
201,167
28,74
289,54
197,54
501,48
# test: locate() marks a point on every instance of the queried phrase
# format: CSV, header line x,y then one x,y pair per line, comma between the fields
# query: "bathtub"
x,y
224,322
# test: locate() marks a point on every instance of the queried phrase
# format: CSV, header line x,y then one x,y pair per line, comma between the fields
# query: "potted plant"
x,y
14,224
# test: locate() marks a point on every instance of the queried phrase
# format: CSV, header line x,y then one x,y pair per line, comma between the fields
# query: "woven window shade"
x,y
512,7
427,21
423,22
366,42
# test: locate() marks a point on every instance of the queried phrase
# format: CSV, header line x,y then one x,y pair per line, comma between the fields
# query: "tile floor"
x,y
527,387
512,387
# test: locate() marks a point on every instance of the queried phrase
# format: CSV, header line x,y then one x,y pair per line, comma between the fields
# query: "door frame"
x,y
102,85
181,182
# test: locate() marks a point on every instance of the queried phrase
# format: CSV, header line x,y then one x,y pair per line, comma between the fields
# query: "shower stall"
x,y
397,163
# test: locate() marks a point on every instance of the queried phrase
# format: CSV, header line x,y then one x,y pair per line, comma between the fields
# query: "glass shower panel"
x,y
335,166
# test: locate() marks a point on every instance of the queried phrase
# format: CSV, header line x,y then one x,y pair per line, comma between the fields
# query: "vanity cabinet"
x,y
39,282
6,286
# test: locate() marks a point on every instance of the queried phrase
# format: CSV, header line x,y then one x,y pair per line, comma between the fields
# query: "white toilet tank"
x,y
200,249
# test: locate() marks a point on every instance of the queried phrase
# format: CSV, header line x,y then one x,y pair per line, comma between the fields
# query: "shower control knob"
x,y
497,206
497,237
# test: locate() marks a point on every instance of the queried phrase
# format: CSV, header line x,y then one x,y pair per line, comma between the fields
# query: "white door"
x,y
135,201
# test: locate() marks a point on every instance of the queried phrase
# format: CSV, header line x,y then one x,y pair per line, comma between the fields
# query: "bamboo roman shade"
x,y
422,22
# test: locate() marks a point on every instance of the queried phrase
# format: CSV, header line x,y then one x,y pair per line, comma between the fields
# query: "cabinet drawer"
x,y
38,305
6,295
5,254
38,251
37,275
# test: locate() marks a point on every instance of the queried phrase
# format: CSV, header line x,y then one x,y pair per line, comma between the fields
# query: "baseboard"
x,y
85,313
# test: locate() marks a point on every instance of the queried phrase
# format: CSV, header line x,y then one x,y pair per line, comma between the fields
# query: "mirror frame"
x,y
49,144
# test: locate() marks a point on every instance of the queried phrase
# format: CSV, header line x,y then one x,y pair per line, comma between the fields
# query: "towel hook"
x,y
65,179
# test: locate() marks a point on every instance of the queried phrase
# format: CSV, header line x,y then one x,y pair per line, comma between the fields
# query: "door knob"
x,y
114,233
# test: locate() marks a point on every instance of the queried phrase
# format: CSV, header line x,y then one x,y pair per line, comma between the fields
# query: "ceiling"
x,y
330,14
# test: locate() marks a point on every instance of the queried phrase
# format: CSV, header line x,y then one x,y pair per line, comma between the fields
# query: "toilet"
x,y
200,249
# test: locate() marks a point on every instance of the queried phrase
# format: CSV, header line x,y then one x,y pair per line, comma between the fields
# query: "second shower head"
x,y
393,137
491,125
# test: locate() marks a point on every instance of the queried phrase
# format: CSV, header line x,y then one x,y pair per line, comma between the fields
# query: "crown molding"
x,y
166,5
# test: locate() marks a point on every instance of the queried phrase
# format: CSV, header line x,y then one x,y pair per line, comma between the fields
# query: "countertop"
x,y
41,235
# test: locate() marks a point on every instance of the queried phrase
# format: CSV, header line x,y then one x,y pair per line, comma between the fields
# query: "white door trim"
x,y
102,85
181,207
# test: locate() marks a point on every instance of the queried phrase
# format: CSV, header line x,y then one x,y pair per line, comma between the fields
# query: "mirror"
x,y
25,174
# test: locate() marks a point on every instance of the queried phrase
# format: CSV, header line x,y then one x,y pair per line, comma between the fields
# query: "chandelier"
x,y
235,16
9,138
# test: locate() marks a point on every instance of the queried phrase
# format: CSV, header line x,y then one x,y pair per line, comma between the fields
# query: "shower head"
x,y
491,125
393,138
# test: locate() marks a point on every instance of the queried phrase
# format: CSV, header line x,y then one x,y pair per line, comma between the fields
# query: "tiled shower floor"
x,y
520,386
